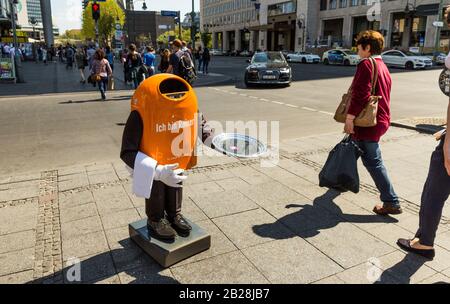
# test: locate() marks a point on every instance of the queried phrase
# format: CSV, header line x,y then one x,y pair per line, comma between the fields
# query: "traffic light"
x,y
95,11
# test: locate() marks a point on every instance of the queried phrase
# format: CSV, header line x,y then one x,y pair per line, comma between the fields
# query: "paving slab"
x,y
17,261
438,278
81,227
220,244
147,275
252,227
234,183
90,269
70,200
84,245
78,212
366,273
120,218
111,199
225,203
405,268
72,181
18,218
229,268
17,241
348,245
17,278
291,261
270,194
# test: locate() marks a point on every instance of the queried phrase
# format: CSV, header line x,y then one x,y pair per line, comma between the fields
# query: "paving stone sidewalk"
x,y
268,225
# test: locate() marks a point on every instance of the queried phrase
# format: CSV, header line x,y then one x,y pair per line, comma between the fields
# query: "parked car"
x,y
341,57
406,59
303,57
245,53
268,68
216,52
437,57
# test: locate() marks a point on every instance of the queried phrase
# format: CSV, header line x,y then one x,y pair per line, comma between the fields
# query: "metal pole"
x,y
438,29
13,22
179,25
96,33
193,25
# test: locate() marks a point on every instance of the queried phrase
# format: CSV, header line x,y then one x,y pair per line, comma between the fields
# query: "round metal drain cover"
x,y
444,82
238,145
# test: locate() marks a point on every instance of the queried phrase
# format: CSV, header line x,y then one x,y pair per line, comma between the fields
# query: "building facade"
x,y
404,23
144,27
300,24
5,17
34,10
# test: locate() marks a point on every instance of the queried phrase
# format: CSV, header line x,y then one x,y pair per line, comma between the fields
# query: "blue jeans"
x,y
373,162
102,86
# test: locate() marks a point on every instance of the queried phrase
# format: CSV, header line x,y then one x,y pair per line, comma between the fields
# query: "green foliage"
x,y
110,11
207,39
185,34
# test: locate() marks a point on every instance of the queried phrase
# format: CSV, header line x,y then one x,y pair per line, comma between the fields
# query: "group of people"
x,y
437,188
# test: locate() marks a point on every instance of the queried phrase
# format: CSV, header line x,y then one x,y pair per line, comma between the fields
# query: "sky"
x,y
67,13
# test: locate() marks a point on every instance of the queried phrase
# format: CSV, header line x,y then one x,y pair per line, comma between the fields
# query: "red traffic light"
x,y
95,11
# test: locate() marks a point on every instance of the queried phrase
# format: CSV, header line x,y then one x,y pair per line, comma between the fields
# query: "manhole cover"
x,y
239,145
444,82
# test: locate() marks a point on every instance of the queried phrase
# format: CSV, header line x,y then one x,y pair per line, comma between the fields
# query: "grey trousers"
x,y
163,200
435,193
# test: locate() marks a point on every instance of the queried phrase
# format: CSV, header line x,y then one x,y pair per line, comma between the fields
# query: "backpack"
x,y
186,68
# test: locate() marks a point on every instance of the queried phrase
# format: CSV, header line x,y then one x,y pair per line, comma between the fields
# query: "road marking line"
x,y
292,106
232,93
309,109
253,97
263,99
327,113
278,102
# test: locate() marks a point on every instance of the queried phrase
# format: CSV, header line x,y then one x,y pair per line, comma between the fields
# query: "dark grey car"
x,y
268,68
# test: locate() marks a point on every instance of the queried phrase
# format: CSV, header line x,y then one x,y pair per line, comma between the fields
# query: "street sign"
x,y
438,24
169,13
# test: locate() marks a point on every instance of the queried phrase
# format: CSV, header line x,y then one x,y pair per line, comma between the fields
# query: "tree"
x,y
110,14
185,35
207,39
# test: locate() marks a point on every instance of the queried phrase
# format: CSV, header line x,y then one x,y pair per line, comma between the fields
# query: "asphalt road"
x,y
48,130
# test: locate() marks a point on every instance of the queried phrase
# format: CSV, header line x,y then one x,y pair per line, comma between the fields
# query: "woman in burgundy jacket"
x,y
371,44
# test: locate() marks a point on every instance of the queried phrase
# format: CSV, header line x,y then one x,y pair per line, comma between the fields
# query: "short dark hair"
x,y
372,38
132,47
177,43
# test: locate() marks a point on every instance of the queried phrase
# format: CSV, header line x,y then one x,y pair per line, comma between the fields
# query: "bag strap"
x,y
374,75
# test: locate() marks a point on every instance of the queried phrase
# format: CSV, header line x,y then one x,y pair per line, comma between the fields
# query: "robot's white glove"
x,y
170,175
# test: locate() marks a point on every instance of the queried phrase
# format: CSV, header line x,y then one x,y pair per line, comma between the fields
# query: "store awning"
x,y
428,9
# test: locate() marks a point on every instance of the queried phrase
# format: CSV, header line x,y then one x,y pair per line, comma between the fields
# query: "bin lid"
x,y
239,145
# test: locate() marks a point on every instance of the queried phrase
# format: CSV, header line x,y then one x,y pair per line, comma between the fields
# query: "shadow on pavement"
x,y
311,219
403,270
130,261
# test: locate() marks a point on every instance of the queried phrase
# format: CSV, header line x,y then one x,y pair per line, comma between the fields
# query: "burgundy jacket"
x,y
360,97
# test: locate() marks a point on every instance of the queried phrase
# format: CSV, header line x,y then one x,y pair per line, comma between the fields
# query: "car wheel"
x,y
304,60
346,62
247,84
326,62
409,65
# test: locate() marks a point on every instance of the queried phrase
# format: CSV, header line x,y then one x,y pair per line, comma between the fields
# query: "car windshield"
x,y
408,53
268,58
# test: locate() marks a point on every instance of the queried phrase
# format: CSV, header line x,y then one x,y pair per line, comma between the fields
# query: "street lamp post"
x,y
302,26
410,12
193,27
438,28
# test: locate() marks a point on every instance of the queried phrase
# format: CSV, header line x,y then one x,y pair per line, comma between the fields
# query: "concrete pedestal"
x,y
170,253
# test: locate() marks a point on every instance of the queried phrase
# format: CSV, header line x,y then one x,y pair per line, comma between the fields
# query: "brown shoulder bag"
x,y
368,116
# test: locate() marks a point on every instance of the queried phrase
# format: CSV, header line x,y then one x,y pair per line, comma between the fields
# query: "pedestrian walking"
x,y
165,61
370,45
181,62
134,64
69,56
110,56
90,55
206,59
44,55
435,192
100,71
149,61
199,57
81,60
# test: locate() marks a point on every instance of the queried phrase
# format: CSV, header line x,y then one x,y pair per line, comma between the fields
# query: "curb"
x,y
224,79
414,128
